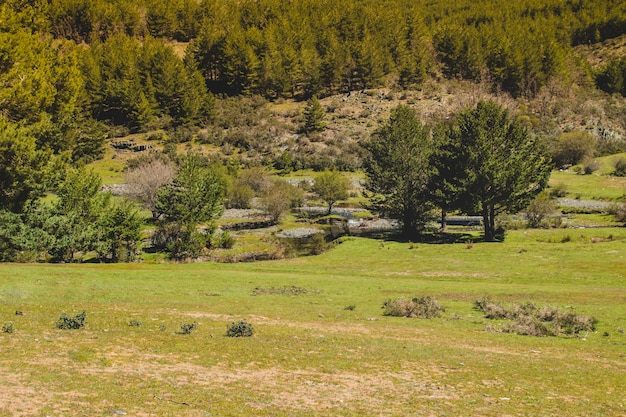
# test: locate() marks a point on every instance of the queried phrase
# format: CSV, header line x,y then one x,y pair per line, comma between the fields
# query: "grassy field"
x,y
322,346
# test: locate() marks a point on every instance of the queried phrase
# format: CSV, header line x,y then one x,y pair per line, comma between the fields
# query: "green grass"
x,y
591,187
309,355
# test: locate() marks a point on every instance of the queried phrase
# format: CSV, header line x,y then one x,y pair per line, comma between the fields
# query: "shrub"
x,y
531,320
570,148
134,323
224,240
187,328
7,328
620,168
618,210
590,166
424,307
239,195
66,322
539,209
239,329
491,309
558,190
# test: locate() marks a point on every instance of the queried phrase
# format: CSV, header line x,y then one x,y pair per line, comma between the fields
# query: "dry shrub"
x,y
424,307
532,320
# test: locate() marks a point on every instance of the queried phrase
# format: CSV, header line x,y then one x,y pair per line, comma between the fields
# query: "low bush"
x,y
239,329
224,240
424,307
187,328
531,320
620,168
7,328
590,166
558,190
66,322
491,309
618,210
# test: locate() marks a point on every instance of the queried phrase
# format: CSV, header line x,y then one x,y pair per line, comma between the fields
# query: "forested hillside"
x,y
290,85
111,60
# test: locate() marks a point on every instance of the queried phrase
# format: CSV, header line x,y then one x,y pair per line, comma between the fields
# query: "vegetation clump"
x,y
187,328
66,322
7,328
285,290
423,307
528,319
239,329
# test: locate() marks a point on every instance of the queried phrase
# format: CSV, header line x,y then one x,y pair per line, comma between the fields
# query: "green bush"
x,y
570,148
187,328
618,210
424,307
558,190
590,166
239,195
239,329
620,168
66,322
7,328
224,240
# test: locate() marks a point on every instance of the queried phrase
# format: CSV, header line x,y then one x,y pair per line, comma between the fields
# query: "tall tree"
x,y
502,167
447,184
398,169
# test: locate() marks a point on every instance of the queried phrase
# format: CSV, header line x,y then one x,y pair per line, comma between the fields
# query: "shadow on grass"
x,y
435,238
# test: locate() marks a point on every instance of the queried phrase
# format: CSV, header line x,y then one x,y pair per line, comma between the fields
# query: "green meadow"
x,y
322,346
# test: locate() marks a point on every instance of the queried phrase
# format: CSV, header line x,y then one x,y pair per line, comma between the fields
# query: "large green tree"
x,y
398,169
501,167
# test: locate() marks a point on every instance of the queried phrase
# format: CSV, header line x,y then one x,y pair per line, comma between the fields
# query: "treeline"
x,y
71,69
307,47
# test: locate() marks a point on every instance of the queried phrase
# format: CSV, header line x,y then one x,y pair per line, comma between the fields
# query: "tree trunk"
x,y
488,225
489,222
443,220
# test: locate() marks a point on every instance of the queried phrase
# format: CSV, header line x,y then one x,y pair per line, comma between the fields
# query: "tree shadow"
x,y
433,238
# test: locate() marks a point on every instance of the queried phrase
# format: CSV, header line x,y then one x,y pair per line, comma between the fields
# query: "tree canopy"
x,y
398,169
499,166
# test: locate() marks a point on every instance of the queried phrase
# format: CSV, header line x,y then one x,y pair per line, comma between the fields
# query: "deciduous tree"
x,y
331,186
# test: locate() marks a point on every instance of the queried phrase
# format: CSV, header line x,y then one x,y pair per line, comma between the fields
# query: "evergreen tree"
x,y
25,172
313,116
501,168
195,197
398,169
